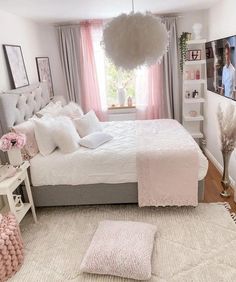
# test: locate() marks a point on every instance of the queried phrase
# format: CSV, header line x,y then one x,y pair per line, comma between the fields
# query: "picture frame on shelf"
x,y
194,55
44,72
16,65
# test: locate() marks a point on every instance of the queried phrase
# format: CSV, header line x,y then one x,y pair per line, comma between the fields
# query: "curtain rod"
x,y
94,20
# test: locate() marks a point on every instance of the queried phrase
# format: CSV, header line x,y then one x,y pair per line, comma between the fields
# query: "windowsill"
x,y
121,107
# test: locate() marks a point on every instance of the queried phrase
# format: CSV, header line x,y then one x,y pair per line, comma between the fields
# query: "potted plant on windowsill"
x,y
227,124
12,143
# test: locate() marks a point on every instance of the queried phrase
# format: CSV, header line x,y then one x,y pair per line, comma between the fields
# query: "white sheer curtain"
x,y
141,91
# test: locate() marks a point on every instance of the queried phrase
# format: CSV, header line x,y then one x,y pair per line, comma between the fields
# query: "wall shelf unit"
x,y
194,90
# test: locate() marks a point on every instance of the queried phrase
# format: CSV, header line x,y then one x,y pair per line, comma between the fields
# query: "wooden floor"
x,y
213,188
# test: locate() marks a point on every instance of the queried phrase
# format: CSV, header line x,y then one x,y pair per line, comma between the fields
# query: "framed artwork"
x,y
194,55
44,72
16,65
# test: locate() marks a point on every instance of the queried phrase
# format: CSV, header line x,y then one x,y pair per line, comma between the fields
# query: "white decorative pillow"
x,y
65,135
43,134
72,110
121,248
87,124
51,109
56,132
95,139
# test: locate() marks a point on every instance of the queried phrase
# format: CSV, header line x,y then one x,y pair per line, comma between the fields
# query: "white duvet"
x,y
113,162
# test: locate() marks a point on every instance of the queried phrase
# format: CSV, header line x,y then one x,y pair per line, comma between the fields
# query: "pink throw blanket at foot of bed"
x,y
167,164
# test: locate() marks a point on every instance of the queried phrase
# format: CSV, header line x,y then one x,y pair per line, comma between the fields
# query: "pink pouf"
x,y
11,247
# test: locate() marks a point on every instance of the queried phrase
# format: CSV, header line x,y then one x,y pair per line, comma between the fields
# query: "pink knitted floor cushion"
x,y
11,247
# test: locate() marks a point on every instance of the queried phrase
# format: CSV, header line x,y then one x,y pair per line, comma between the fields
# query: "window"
x,y
111,78
116,79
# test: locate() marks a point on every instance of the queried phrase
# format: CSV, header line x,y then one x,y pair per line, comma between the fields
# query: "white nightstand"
x,y
9,185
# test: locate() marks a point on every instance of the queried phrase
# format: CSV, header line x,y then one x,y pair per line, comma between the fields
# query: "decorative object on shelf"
x,y
11,251
143,40
197,74
187,94
227,125
121,96
7,171
18,202
16,65
193,113
195,94
129,102
192,75
187,74
197,28
194,55
185,36
44,72
12,143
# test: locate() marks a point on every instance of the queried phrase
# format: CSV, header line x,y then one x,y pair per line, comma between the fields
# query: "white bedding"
x,y
113,162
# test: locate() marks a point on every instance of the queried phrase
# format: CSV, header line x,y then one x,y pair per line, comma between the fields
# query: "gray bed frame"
x,y
17,106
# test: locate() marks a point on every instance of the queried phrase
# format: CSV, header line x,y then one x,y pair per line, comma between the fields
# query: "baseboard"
x,y
218,166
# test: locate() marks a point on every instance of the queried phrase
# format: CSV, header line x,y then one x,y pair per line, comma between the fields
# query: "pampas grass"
x,y
227,125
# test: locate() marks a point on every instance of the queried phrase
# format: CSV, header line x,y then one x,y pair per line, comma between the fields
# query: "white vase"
x,y
197,28
121,96
14,156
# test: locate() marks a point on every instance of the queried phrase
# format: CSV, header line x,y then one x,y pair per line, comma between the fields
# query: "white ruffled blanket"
x,y
167,164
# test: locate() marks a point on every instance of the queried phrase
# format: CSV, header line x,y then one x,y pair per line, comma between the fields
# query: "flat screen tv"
x,y
221,62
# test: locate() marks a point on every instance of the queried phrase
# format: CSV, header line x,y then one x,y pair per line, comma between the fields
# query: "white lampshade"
x,y
135,39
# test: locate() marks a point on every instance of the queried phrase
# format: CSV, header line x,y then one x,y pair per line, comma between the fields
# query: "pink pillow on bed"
x,y
31,147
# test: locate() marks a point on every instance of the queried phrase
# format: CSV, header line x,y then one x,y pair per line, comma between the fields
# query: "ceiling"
x,y
59,11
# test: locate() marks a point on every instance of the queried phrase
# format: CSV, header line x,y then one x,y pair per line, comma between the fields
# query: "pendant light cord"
x,y
133,6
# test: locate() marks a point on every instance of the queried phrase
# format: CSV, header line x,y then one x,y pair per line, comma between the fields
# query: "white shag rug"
x,y
192,244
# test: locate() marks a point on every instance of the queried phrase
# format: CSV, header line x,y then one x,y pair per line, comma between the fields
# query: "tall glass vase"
x,y
225,182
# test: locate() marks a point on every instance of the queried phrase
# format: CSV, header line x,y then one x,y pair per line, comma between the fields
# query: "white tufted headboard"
x,y
18,105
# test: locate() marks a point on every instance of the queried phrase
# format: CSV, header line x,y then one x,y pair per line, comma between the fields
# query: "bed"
x,y
101,176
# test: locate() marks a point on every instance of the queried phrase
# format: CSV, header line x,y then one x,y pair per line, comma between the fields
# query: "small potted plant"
x,y
12,143
185,36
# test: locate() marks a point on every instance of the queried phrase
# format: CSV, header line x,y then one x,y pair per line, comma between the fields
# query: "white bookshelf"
x,y
194,124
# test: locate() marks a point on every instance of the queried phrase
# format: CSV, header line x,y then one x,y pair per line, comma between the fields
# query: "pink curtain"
x,y
155,103
149,93
90,87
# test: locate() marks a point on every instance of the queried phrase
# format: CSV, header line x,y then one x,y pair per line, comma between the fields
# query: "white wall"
x,y
36,40
221,23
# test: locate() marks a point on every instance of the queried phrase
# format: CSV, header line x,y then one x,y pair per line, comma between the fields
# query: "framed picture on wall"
x,y
16,65
194,55
44,72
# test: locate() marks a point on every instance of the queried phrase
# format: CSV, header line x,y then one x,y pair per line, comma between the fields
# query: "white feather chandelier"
x,y
135,39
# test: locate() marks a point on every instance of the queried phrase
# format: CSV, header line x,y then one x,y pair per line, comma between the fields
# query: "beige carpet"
x,y
192,244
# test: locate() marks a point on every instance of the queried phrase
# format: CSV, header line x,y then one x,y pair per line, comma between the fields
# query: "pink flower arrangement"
x,y
12,140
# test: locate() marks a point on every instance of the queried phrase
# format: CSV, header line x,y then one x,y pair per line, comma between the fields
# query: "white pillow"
x,y
56,132
43,135
65,135
72,110
121,248
87,124
51,109
95,139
